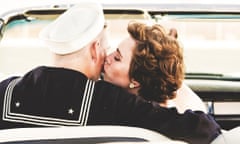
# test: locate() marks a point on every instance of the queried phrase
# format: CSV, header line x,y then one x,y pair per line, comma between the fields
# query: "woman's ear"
x,y
134,84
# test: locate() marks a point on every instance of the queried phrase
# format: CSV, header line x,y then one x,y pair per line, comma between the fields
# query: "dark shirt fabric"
x,y
48,96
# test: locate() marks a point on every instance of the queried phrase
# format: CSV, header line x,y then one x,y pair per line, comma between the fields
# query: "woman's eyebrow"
x,y
118,51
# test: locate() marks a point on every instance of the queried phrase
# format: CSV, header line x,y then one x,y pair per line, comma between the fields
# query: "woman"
x,y
149,63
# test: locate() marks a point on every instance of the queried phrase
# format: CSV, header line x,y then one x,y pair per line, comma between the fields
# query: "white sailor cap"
x,y
75,28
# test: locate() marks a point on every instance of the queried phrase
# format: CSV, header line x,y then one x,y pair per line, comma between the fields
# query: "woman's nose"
x,y
107,60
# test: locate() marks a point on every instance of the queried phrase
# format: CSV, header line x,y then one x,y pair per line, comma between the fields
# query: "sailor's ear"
x,y
94,50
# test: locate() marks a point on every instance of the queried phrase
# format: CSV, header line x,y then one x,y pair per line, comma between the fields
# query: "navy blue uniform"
x,y
49,96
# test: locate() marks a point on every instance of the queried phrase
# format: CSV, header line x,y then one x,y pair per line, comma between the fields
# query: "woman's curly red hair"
x,y
157,62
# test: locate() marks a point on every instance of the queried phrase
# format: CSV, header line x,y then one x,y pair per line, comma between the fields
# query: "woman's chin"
x,y
104,68
107,79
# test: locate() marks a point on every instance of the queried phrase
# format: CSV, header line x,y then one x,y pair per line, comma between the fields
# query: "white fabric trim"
x,y
86,102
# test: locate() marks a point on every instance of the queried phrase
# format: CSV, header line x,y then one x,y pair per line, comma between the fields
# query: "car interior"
x,y
210,40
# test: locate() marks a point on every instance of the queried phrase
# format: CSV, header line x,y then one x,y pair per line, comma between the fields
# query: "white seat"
x,y
18,135
228,137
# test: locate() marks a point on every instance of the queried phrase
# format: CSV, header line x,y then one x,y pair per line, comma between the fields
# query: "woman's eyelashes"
x,y
117,55
117,58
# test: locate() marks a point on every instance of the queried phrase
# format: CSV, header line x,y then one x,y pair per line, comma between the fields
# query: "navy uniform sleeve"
x,y
193,126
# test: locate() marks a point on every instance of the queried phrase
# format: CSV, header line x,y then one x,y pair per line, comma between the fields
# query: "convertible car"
x,y
209,33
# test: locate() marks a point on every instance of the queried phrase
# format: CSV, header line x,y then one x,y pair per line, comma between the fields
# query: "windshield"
x,y
211,42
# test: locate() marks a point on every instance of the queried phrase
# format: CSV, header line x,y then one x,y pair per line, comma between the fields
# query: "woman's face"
x,y
117,64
